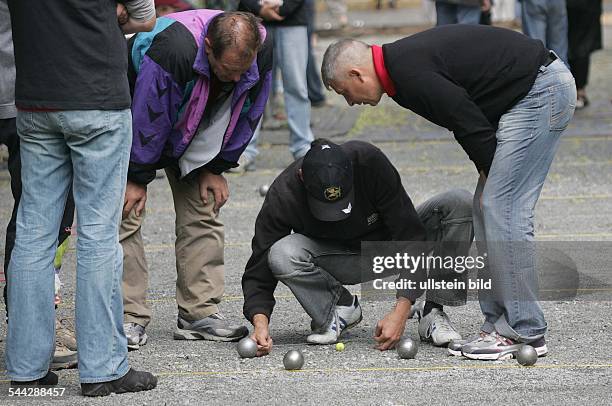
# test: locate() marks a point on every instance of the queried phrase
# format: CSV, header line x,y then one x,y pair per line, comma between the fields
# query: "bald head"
x,y
234,30
341,56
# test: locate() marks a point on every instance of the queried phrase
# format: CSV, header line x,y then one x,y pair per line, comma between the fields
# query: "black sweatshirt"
x,y
381,211
464,78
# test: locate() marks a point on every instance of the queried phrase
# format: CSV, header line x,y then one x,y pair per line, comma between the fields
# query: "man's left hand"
x,y
217,185
390,329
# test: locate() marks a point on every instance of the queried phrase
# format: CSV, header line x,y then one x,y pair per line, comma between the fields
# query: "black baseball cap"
x,y
328,177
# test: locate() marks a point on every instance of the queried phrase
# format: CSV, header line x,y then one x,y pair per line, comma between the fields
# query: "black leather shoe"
x,y
48,380
133,381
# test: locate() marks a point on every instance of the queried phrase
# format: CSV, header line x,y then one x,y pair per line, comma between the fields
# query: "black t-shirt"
x,y
381,211
69,55
464,78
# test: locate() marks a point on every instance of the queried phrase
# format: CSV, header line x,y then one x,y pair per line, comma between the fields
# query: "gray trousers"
x,y
316,270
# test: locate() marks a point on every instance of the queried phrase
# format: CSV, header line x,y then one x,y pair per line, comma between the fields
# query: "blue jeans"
x,y
527,139
90,150
447,13
313,71
291,57
546,20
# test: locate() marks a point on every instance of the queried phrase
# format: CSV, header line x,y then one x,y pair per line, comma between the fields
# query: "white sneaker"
x,y
344,318
135,334
437,328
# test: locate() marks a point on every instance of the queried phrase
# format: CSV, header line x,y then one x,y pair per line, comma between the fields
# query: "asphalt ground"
x,y
576,206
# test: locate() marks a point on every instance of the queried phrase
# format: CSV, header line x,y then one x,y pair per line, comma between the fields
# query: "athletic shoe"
x,y
344,318
133,381
48,380
213,328
497,347
63,357
436,327
455,346
135,334
64,333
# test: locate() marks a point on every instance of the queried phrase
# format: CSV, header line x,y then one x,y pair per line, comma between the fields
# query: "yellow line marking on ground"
x,y
388,369
380,369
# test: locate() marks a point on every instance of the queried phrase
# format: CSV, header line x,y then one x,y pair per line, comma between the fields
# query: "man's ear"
x,y
357,74
301,175
207,46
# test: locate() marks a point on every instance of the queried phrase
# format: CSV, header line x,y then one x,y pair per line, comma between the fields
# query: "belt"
x,y
550,58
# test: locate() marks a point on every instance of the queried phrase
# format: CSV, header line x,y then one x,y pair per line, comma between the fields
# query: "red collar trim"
x,y
381,71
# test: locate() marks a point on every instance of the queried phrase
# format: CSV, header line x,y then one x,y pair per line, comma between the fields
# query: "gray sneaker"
x,y
135,334
494,347
212,328
455,346
63,357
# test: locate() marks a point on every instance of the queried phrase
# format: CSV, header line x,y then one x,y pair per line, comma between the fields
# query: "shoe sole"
x,y
454,353
195,335
505,355
56,366
349,326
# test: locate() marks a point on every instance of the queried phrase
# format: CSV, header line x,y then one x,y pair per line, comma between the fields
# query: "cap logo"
x,y
325,147
333,193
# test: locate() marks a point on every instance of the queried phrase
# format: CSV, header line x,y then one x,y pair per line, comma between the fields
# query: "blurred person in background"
x,y
546,20
584,33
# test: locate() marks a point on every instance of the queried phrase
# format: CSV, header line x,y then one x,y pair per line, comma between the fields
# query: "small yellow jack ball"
x,y
340,347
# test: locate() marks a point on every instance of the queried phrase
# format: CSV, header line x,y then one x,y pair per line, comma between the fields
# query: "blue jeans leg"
x,y
468,14
546,20
446,13
100,148
527,139
291,52
46,174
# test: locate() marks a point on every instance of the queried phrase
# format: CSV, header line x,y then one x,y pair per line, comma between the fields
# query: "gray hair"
x,y
339,55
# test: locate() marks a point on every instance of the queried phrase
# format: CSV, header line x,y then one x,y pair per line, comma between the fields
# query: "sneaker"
x,y
436,327
63,357
135,334
455,346
497,347
245,164
213,328
64,333
344,318
133,381
48,380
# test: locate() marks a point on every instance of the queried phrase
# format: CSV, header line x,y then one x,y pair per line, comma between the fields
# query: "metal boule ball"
x,y
293,359
247,348
527,356
263,190
407,348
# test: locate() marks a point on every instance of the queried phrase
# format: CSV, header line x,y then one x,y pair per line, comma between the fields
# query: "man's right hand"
x,y
261,335
270,13
135,198
122,14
